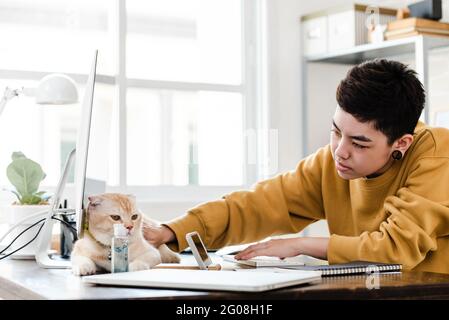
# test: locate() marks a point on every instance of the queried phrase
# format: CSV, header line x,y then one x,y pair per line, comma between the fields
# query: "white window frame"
x,y
254,103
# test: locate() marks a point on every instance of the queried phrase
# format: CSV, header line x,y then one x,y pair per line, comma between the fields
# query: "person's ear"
x,y
403,143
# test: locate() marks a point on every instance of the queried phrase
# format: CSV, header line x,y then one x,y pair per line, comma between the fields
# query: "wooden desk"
x,y
24,279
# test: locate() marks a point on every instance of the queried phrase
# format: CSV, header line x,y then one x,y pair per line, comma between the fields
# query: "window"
x,y
187,117
39,38
181,67
178,40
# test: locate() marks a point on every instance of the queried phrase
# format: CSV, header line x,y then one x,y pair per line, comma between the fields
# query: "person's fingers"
x,y
255,253
248,250
261,247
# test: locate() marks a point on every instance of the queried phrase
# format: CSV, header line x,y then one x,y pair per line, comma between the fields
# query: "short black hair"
x,y
385,92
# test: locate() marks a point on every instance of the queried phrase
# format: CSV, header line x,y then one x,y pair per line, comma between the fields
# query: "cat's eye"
x,y
115,217
134,216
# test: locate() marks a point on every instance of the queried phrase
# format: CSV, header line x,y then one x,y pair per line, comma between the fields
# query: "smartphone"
x,y
199,250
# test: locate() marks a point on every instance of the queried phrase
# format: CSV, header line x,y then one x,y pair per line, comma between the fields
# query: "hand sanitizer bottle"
x,y
119,249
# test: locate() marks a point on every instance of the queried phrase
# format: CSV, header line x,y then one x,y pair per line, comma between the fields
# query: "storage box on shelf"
x,y
338,28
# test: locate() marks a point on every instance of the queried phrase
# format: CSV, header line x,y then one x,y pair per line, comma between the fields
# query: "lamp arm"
x,y
8,95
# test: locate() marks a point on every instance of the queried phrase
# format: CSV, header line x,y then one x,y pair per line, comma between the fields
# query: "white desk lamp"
x,y
52,89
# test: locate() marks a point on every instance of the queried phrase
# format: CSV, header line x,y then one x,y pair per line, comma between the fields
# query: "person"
x,y
382,184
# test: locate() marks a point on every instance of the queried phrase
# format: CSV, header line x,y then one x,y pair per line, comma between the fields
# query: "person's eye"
x,y
115,217
134,216
359,146
338,134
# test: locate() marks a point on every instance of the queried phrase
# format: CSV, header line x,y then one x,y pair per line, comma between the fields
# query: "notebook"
x,y
265,261
205,280
356,267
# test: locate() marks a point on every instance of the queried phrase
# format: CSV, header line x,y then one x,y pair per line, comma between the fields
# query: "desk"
x,y
24,279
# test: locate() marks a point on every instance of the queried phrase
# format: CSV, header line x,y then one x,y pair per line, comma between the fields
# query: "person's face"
x,y
358,149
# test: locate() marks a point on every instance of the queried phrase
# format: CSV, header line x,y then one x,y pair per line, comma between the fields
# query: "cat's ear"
x,y
94,200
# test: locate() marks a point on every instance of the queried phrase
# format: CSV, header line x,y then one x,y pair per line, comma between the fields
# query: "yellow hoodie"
x,y
401,216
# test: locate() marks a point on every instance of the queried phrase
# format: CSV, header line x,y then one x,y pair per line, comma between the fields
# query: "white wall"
x,y
284,75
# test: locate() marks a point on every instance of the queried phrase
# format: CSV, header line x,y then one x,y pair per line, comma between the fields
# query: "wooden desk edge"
x,y
10,290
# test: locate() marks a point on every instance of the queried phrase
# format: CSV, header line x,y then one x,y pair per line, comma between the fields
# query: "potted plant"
x,y
26,175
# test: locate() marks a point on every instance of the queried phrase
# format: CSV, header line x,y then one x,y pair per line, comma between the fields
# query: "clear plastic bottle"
x,y
119,249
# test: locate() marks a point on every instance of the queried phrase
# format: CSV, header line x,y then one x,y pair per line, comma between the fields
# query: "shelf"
x,y
370,51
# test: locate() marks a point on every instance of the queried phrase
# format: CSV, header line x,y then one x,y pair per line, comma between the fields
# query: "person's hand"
x,y
158,234
281,248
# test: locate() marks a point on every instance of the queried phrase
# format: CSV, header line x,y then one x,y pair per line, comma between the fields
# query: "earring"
x,y
396,155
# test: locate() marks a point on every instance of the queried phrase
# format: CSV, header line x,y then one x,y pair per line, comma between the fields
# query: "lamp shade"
x,y
56,89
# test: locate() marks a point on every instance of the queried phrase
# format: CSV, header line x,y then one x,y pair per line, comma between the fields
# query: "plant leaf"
x,y
25,175
17,155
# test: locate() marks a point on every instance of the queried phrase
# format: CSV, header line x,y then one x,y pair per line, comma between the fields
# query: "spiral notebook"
x,y
356,267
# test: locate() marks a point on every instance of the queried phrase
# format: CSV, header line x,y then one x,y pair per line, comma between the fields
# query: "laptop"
x,y
242,281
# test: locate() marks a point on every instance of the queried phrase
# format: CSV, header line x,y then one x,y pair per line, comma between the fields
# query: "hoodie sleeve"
x,y
286,203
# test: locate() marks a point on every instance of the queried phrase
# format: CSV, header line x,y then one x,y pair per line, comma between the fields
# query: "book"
x,y
417,23
419,30
356,267
414,33
265,261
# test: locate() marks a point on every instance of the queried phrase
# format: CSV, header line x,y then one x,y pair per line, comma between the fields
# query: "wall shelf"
x,y
387,48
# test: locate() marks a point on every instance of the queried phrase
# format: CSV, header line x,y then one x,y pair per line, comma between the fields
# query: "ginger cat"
x,y
92,253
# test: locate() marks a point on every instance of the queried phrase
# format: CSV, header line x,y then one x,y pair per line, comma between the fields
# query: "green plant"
x,y
26,175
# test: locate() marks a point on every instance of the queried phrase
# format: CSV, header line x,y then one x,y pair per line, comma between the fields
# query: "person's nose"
x,y
342,151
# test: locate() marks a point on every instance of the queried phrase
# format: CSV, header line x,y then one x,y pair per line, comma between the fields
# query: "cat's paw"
x,y
138,265
83,267
171,258
168,256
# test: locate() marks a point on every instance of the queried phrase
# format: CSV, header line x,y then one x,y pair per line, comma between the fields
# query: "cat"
x,y
92,253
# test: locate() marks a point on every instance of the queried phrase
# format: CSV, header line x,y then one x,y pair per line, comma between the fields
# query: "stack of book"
x,y
416,26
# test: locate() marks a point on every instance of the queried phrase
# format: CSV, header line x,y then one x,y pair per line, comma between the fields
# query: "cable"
x,y
74,231
28,228
23,231
31,217
66,223
37,214
34,238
